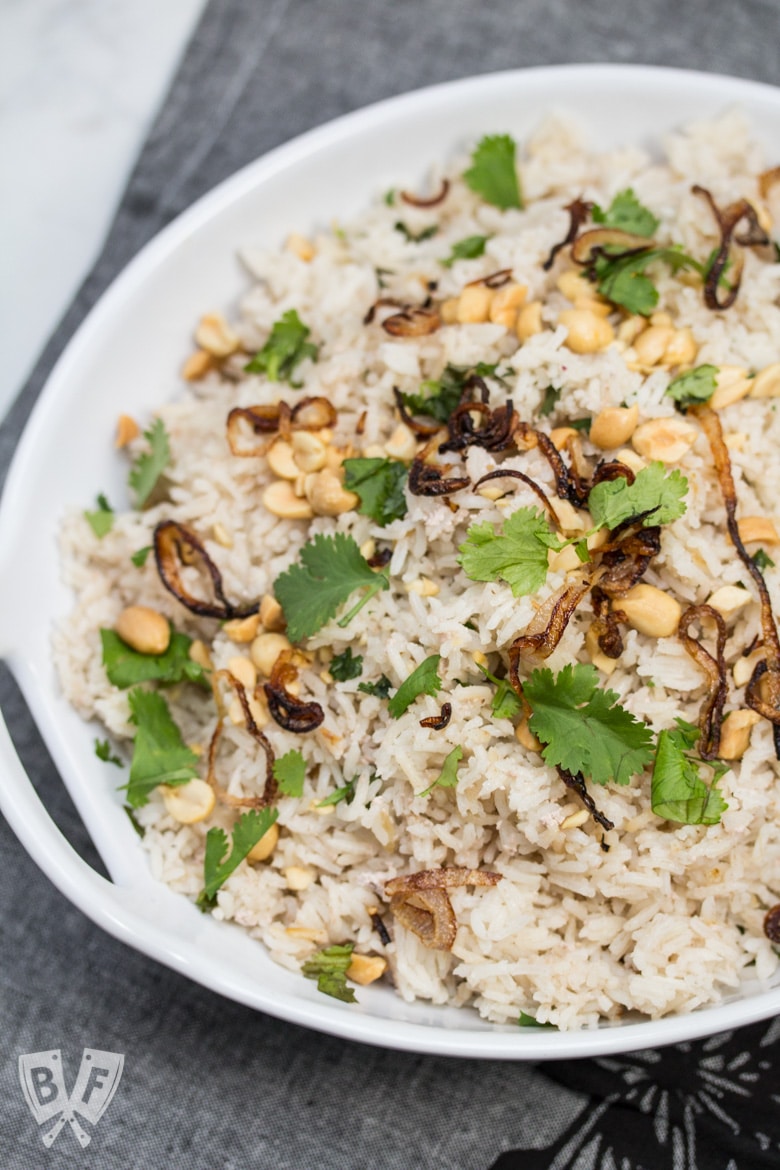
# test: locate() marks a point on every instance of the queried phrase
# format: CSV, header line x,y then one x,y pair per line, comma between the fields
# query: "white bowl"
x,y
124,358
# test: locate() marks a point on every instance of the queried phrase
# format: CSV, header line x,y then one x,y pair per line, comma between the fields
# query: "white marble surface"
x,y
80,81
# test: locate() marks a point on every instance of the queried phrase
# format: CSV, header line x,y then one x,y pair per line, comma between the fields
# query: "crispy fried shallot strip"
x,y
412,321
419,901
728,219
288,711
421,429
576,783
569,484
767,180
512,473
493,279
176,545
433,201
711,712
271,787
762,693
579,210
627,557
494,435
428,479
592,245
310,414
546,629
440,721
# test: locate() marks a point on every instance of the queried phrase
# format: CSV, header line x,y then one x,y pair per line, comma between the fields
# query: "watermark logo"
x,y
43,1085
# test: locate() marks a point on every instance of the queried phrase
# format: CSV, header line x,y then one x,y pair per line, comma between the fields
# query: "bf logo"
x,y
43,1085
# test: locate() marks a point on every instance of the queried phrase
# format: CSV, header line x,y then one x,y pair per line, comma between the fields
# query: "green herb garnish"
x,y
762,560
493,172
678,791
381,688
380,485
654,495
346,665
346,792
101,521
125,667
133,819
104,753
285,349
469,249
623,281
329,967
549,401
147,468
139,558
696,385
526,1021
448,777
517,554
416,237
330,570
217,867
289,773
424,680
506,703
626,213
584,729
160,755
580,424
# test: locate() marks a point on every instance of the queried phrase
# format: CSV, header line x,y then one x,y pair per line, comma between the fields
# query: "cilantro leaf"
x,y
286,348
133,819
104,753
448,777
493,173
580,424
628,214
518,555
125,667
381,688
347,792
380,485
102,520
147,468
217,868
526,1021
139,558
762,560
329,967
549,401
678,792
416,237
696,385
623,281
346,665
424,680
289,773
584,729
160,756
330,570
505,703
653,494
468,249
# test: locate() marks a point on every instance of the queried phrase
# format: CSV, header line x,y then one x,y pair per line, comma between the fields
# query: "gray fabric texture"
x,y
208,1083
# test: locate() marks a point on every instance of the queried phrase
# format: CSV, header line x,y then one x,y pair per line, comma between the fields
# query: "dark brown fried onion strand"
x,y
419,901
711,713
579,210
271,787
286,710
728,219
440,721
176,545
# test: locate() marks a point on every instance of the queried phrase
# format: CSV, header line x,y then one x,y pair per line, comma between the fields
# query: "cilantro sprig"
x,y
290,772
697,385
160,755
380,689
584,729
493,171
145,473
218,864
101,521
623,280
380,484
346,665
506,704
104,753
125,666
424,680
448,776
311,591
438,398
678,792
654,495
411,237
329,967
517,554
284,350
626,213
139,557
470,248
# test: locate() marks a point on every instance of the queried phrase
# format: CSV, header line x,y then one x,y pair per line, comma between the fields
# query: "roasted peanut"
x,y
127,429
735,734
365,969
586,331
189,803
265,650
614,426
272,614
529,320
146,630
215,336
651,611
265,846
280,499
757,528
665,439
242,629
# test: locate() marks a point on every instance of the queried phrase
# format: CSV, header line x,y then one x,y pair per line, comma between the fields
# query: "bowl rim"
x,y
120,910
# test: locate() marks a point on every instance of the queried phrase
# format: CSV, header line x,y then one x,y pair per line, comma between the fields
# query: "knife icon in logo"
x,y
43,1085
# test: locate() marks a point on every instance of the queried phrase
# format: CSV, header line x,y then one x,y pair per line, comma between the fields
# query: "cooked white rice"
x,y
670,918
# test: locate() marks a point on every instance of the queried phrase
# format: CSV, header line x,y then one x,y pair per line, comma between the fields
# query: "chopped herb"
x,y
653,494
469,249
389,197
626,213
289,773
584,729
696,385
493,173
125,667
160,755
763,561
580,424
526,1021
517,555
347,792
101,521
448,777
346,665
217,867
104,753
380,485
678,791
139,558
622,280
330,570
381,688
506,703
329,967
416,237
424,680
147,468
439,398
133,819
549,401
285,349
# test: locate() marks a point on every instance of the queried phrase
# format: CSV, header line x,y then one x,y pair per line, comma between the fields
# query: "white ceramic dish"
x,y
125,357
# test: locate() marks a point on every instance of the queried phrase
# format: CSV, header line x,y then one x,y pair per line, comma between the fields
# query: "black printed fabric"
x,y
709,1105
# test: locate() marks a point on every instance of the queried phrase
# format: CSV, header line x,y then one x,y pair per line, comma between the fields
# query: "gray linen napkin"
x,y
207,1083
